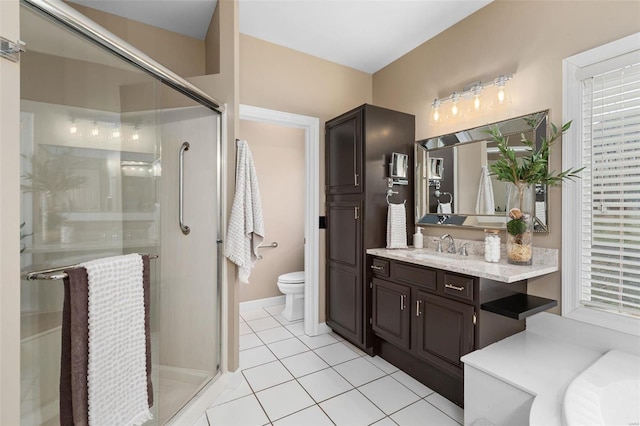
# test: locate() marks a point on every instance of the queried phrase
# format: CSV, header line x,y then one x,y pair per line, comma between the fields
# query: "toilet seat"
x,y
292,278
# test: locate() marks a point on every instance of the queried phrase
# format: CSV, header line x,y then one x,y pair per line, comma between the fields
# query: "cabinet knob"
x,y
418,311
377,268
403,305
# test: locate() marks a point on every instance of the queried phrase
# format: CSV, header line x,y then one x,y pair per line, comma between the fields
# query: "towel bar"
x,y
58,273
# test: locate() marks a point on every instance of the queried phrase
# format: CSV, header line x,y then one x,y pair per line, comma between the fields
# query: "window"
x,y
601,211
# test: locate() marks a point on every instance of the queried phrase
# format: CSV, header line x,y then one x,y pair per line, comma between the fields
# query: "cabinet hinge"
x,y
475,319
370,321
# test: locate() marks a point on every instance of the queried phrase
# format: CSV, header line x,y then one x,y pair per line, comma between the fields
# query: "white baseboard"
x,y
252,305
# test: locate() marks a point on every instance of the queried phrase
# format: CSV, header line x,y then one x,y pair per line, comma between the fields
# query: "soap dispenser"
x,y
418,240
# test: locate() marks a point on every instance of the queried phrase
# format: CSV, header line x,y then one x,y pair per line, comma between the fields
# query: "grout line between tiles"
x,y
345,343
437,408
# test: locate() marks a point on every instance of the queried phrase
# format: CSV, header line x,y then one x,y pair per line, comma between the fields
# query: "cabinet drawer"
x,y
380,267
459,286
425,278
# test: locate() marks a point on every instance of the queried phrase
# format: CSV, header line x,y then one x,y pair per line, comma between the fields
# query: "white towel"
x,y
396,226
541,212
485,203
246,227
117,372
444,208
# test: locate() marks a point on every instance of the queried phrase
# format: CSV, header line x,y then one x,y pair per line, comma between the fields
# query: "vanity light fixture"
x,y
473,92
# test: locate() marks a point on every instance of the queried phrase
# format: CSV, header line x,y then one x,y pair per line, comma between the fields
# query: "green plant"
x,y
532,168
524,172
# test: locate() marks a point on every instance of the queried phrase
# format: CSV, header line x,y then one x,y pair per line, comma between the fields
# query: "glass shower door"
x,y
98,137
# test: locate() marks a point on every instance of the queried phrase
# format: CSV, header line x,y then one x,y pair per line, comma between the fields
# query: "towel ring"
x,y
391,192
438,194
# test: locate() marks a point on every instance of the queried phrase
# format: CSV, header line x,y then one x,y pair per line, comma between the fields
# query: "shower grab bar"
x,y
184,228
58,273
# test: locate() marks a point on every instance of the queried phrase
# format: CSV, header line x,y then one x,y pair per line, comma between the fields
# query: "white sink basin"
x,y
606,393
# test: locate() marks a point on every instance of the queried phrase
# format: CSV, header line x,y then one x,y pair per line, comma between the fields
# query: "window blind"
x,y
611,190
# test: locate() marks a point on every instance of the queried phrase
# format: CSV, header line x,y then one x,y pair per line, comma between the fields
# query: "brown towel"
x,y
74,395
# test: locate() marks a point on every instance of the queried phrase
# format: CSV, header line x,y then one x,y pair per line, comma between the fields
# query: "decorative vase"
x,y
520,208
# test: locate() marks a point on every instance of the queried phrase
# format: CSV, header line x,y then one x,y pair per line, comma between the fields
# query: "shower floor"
x,y
174,388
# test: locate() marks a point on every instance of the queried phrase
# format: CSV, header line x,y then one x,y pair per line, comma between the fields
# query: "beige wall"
x,y
181,54
9,220
225,87
526,38
212,44
283,79
278,154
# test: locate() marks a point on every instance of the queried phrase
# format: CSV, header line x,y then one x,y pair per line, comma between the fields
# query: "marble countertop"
x,y
545,261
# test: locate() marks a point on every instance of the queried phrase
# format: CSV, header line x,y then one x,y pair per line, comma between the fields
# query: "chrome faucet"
x,y
452,244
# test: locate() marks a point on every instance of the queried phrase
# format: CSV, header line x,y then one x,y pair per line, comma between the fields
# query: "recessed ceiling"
x,y
363,34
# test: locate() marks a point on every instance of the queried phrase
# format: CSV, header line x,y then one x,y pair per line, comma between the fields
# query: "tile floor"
x,y
289,378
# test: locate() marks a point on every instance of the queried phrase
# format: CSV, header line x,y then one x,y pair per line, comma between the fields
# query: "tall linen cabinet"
x,y
358,146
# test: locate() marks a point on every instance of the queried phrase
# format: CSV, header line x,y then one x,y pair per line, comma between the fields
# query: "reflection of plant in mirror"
x,y
51,176
22,237
50,173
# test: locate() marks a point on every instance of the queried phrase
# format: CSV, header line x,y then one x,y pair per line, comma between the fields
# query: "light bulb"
x,y
454,109
501,95
476,102
95,131
116,134
436,115
73,129
135,136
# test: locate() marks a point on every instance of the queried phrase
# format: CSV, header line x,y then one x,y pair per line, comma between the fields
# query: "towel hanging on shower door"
x,y
246,227
106,306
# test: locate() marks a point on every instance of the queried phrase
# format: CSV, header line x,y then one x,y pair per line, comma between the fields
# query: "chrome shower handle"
x,y
184,228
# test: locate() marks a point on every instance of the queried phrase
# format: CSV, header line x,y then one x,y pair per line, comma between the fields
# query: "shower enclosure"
x,y
106,171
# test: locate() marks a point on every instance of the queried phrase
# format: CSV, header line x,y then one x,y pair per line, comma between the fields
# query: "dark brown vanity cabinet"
x,y
424,320
413,316
358,147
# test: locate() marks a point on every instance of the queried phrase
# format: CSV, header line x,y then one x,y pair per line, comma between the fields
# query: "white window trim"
x,y
572,192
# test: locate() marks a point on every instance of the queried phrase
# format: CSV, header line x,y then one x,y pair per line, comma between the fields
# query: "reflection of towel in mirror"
x,y
484,202
246,227
444,208
396,226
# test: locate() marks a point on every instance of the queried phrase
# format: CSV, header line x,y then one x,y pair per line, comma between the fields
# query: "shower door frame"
x,y
78,23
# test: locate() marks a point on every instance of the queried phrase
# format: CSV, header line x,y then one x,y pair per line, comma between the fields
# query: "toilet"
x,y
292,286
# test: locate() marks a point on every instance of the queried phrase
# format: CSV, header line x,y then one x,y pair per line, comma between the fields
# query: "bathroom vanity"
x,y
429,309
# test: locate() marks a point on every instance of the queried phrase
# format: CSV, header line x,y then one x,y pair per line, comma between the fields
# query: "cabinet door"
x,y
344,302
344,154
391,312
344,237
444,329
344,269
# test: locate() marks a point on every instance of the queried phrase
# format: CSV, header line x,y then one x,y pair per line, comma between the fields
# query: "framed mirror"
x,y
399,168
452,170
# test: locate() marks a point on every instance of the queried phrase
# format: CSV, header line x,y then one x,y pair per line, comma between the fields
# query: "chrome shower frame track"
x,y
82,25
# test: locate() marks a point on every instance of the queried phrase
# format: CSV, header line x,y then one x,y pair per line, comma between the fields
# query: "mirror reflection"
x,y
453,184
